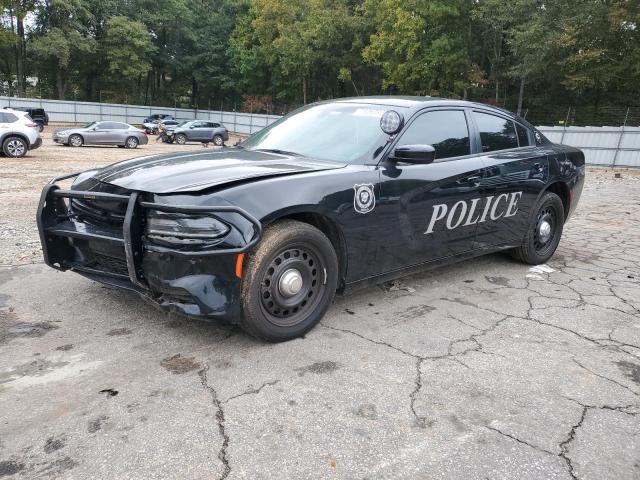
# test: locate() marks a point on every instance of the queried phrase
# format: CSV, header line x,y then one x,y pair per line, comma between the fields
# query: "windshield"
x,y
182,124
339,132
90,124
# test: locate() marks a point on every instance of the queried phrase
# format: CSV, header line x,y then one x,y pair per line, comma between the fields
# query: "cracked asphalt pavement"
x,y
484,369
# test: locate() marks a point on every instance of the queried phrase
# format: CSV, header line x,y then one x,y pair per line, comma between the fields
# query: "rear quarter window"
x,y
6,117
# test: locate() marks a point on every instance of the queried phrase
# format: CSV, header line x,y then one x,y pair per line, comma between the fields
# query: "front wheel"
x,y
76,140
289,283
181,139
544,232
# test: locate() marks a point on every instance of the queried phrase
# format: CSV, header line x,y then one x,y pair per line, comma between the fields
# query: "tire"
x,y
40,127
272,313
76,140
218,141
131,142
15,147
181,139
540,242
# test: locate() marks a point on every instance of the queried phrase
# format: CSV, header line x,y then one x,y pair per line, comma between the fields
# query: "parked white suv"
x,y
18,133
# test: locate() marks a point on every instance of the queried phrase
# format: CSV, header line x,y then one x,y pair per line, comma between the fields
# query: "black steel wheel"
x,y
289,281
545,230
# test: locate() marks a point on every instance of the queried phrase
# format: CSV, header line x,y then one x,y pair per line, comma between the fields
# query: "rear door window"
x,y
445,130
496,133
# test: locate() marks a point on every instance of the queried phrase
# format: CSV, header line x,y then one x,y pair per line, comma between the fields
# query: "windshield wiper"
x,y
278,151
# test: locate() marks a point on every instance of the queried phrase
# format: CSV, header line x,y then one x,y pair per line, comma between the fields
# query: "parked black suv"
x,y
38,115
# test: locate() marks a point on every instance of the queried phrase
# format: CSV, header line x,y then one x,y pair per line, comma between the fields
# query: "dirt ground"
x,y
487,369
22,179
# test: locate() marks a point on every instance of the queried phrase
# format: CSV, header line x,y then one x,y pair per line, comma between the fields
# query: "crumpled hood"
x,y
191,172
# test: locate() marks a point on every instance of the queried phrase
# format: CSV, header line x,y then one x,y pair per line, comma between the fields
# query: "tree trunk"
x,y
521,96
60,83
20,74
194,92
304,90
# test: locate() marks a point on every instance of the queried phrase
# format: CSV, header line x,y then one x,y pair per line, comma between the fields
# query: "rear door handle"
x,y
475,180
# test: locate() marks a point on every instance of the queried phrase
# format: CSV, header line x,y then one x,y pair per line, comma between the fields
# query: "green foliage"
x,y
258,53
128,48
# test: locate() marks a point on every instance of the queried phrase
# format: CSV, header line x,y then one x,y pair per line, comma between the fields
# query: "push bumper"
x,y
199,283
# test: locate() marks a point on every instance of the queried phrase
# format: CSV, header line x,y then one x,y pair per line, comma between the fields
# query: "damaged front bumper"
x,y
204,282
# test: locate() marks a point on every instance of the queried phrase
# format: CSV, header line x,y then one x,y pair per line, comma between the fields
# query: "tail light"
x,y
32,125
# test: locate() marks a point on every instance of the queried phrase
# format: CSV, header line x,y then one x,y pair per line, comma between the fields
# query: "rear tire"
x,y
131,142
76,140
15,147
218,141
544,232
289,282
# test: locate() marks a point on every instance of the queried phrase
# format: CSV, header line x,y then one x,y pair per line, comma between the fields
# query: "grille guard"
x,y
55,229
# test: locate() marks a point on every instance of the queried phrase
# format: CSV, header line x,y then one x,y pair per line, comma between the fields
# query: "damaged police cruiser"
x,y
334,196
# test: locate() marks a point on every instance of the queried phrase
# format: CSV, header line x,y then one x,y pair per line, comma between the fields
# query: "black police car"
x,y
331,197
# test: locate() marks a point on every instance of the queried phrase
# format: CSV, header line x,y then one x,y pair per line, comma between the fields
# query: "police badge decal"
x,y
364,198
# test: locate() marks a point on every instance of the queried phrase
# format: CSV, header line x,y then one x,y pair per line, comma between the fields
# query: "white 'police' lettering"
x,y
504,205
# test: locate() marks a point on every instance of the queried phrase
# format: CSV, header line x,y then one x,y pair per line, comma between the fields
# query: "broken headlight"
x,y
184,229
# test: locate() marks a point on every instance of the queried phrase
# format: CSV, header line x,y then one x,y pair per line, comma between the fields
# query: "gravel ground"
x,y
21,181
484,369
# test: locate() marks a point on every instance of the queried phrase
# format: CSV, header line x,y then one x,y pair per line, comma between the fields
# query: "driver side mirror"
x,y
418,154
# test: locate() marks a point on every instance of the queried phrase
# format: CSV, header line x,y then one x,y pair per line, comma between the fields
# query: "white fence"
x,y
83,112
604,146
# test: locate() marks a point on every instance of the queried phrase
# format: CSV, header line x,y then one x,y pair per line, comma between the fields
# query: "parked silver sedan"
x,y
102,133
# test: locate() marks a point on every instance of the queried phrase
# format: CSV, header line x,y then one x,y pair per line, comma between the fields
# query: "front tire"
x,y
544,232
15,147
181,139
289,282
76,140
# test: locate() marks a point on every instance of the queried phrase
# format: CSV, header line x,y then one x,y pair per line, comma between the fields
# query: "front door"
x,y
435,207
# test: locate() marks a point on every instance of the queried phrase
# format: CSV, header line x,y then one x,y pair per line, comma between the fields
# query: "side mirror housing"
x,y
419,154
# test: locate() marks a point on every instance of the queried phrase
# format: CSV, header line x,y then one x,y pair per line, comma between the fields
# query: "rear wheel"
x,y
289,282
218,140
545,230
15,147
131,142
76,140
181,139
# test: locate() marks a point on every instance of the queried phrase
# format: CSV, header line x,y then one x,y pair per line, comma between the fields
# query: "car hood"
x,y
192,172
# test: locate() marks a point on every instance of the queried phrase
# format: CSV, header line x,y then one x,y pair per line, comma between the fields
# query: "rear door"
x,y
95,134
516,172
197,131
432,207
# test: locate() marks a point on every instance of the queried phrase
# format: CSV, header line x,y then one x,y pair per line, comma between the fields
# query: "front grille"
x,y
109,264
102,215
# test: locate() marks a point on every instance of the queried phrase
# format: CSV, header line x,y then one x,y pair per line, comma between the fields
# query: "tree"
x,y
128,49
62,38
420,46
